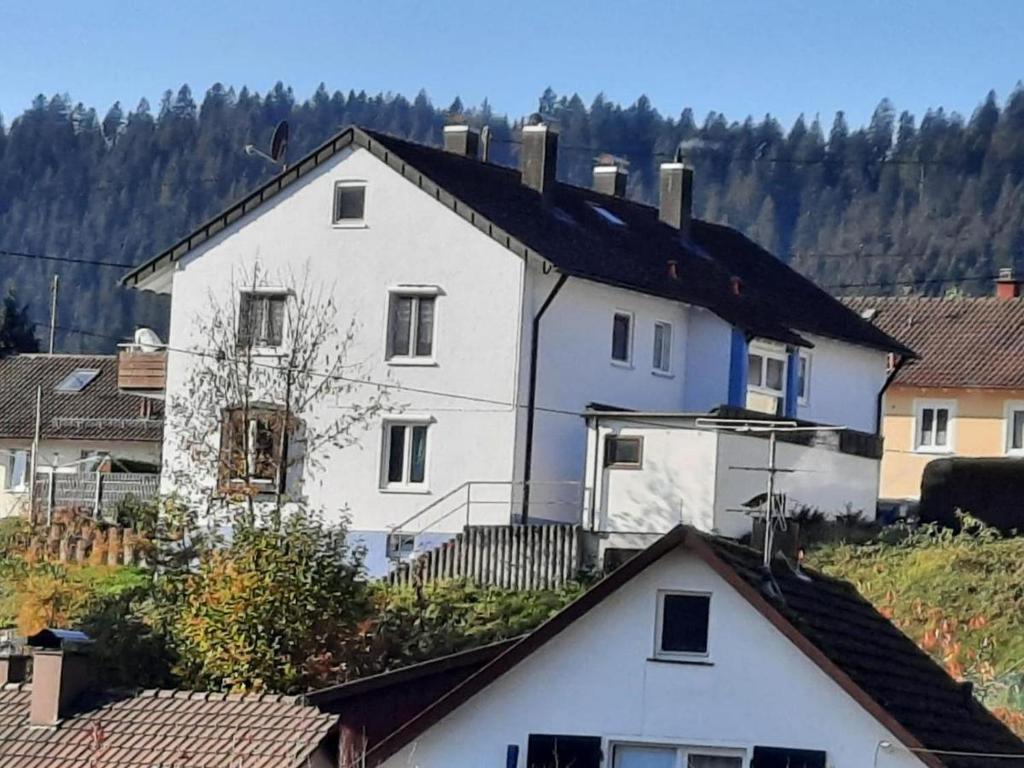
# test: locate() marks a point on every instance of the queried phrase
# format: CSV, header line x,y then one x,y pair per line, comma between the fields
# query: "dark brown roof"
x,y
99,412
960,342
165,728
775,301
840,631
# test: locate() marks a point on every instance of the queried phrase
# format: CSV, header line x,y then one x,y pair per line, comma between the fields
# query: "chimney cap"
x,y
1006,275
52,639
456,128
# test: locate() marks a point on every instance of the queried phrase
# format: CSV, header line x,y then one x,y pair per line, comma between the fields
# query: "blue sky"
x,y
739,57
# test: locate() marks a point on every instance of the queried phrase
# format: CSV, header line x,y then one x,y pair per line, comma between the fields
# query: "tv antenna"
x,y
278,146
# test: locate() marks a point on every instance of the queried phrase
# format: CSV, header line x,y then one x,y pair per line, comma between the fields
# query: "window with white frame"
x,y
671,756
933,425
404,455
620,451
682,624
251,448
766,378
1015,427
261,316
622,337
349,203
410,326
803,378
662,358
16,466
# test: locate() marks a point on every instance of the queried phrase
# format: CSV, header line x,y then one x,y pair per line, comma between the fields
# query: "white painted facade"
x,y
688,474
487,297
599,677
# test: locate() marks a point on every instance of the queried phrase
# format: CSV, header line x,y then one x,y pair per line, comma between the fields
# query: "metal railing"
x,y
97,491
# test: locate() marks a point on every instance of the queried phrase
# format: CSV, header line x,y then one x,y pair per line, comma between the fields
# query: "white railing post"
x,y
96,496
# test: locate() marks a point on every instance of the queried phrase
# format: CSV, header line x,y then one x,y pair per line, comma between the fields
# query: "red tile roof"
x,y
960,342
165,728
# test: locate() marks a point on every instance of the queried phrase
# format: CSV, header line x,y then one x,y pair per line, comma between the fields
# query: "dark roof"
x,y
775,301
840,631
163,728
960,342
99,412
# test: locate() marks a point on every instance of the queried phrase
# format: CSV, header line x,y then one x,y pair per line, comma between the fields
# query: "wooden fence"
x,y
510,556
99,492
81,541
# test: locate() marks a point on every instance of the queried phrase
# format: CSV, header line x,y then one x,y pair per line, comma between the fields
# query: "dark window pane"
x,y
782,757
801,384
418,458
684,623
620,338
425,327
247,316
754,370
927,426
265,447
399,326
274,321
941,426
620,451
1017,437
662,346
396,453
775,374
554,751
349,203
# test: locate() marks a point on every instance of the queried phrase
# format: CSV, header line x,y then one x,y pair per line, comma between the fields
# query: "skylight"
x,y
77,380
608,216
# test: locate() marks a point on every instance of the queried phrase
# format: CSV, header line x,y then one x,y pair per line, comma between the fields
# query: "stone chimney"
x,y
60,672
1007,285
610,180
461,140
538,158
13,668
675,196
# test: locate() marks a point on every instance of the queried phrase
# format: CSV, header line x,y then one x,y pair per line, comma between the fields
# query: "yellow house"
x,y
964,395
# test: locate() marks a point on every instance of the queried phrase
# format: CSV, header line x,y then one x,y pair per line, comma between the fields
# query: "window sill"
x,y
264,351
685,662
413,362
663,374
934,451
405,490
350,224
622,364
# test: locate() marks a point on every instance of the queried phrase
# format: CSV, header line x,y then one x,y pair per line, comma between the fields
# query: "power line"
x,y
65,259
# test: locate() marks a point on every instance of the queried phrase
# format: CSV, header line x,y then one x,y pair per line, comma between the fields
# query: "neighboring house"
x,y
964,396
83,419
500,303
690,654
62,717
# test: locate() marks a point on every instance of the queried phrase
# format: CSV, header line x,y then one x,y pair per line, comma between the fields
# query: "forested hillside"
x,y
922,204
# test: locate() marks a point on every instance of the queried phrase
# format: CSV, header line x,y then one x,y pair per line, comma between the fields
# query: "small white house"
x,y
495,304
690,655
647,472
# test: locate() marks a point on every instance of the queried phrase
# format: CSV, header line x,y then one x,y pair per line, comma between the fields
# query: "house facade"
x,y
86,425
964,395
653,666
493,305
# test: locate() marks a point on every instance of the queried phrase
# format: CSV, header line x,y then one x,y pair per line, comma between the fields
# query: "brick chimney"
x,y
461,140
610,180
675,196
1007,285
60,672
538,158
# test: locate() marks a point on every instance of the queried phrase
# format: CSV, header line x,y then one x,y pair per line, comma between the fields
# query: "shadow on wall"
x,y
657,498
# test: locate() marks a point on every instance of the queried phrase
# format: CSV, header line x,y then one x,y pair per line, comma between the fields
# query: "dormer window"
x,y
76,381
349,203
682,626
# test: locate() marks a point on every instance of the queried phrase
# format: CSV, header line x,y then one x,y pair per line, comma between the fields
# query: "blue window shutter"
x,y
738,369
792,372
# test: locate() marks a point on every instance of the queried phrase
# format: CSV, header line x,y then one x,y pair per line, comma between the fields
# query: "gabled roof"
x,y
165,728
960,342
774,300
99,411
838,630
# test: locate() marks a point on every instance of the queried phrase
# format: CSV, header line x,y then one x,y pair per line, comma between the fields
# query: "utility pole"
x,y
770,505
35,453
53,310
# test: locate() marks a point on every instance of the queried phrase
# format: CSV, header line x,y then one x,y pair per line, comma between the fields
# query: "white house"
x,y
495,304
690,655
84,422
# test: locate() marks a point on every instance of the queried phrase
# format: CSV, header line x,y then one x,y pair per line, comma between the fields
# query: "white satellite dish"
x,y
147,341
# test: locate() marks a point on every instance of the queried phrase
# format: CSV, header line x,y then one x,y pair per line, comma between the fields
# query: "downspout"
x,y
531,402
900,361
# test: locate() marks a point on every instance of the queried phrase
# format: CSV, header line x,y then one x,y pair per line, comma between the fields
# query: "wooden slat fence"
x,y
521,557
82,542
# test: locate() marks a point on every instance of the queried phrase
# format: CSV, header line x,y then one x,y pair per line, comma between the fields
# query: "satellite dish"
x,y
147,340
279,144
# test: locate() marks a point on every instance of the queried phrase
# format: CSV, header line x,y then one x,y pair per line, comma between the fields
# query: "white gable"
x,y
597,678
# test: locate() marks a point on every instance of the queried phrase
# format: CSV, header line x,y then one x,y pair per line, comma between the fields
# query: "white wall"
x,y
409,238
845,382
596,678
707,361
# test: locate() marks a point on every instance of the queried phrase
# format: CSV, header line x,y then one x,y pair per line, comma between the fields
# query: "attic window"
x,y
77,380
349,203
683,619
607,215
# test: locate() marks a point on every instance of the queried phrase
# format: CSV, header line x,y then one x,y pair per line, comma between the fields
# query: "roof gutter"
x,y
531,404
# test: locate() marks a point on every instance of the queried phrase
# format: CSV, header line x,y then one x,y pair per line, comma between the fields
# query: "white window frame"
x,y
416,292
766,352
683,750
666,349
664,655
349,223
628,362
921,405
10,456
404,486
269,292
1008,410
804,357
638,464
